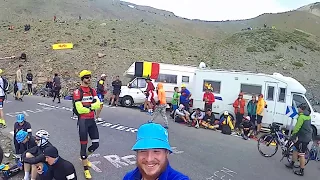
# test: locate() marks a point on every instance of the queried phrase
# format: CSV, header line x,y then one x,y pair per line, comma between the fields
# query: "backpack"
x,y
225,128
6,85
74,110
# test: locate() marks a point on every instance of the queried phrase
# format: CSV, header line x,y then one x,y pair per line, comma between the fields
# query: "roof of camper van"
x,y
293,85
173,67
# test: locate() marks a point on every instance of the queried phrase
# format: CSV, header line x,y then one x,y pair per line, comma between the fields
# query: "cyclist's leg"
x,y
58,94
83,134
302,149
94,136
29,167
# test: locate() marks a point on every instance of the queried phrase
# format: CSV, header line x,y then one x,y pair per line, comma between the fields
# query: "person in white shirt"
x,y
19,83
181,115
197,116
2,98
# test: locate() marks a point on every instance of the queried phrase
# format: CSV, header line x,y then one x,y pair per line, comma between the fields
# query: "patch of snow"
x,y
131,6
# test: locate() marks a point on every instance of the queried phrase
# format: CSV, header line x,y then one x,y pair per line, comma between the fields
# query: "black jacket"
x,y
63,170
37,152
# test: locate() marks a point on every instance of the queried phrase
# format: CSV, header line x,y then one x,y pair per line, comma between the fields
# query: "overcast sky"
x,y
216,10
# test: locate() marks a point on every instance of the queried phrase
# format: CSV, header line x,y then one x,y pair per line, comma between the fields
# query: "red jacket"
x,y
209,96
237,103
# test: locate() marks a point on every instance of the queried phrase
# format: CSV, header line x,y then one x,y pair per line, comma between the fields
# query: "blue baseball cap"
x,y
152,136
20,118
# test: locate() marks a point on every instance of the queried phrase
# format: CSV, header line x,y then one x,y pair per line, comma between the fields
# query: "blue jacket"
x,y
168,174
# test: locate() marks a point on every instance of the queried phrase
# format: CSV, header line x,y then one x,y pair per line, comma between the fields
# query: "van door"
x,y
136,90
270,98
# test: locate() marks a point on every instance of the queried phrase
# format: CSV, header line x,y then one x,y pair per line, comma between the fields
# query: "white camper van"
x,y
170,75
279,92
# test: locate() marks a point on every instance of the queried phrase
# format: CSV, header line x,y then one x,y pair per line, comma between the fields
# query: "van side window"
x,y
185,79
297,100
216,85
251,89
282,95
270,93
142,83
134,83
167,78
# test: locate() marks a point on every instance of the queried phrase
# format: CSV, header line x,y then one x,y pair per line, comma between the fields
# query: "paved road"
x,y
199,153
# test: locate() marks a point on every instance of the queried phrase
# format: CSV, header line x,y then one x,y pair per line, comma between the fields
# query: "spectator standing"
x,y
29,78
162,105
101,92
19,82
239,105
116,84
2,98
252,109
260,108
56,87
185,97
175,99
49,88
208,98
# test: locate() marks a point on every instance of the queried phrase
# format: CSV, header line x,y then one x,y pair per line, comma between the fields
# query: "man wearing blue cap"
x,y
21,124
152,147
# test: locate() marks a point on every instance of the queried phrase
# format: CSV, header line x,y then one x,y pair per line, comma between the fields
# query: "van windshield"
x,y
298,99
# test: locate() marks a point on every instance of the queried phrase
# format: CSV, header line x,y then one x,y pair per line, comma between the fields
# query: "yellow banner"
x,y
62,46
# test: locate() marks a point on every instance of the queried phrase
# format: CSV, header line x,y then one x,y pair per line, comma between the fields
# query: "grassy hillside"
x,y
126,34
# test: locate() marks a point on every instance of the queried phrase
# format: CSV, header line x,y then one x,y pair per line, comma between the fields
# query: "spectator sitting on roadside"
x,y
226,123
197,116
209,120
181,115
48,89
246,127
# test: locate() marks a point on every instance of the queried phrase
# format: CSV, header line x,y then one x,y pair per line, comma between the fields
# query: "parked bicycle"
x,y
277,138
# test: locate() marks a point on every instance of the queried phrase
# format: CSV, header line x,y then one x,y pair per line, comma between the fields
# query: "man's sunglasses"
x,y
87,77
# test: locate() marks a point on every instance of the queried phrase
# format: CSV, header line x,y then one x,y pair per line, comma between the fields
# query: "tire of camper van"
x,y
127,101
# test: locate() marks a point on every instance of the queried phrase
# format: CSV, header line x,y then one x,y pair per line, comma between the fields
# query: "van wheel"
x,y
314,133
127,101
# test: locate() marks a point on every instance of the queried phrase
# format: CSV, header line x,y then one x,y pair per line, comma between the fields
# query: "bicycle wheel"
x,y
307,157
267,140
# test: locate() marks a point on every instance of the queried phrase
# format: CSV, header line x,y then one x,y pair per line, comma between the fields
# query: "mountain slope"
x,y
313,8
125,33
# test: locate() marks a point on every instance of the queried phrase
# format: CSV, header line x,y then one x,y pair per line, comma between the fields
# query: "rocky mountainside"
x,y
112,34
313,8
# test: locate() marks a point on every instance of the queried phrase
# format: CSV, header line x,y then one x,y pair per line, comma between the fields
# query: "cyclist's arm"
x,y
35,160
70,172
28,127
97,104
298,125
78,104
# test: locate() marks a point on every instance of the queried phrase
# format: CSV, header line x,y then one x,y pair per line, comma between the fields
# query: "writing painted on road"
x,y
128,160
28,112
103,123
223,174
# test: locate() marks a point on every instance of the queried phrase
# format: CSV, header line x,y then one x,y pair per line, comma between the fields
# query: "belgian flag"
x,y
145,69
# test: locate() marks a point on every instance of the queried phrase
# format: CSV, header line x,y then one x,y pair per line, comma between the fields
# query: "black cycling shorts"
x,y
85,127
301,147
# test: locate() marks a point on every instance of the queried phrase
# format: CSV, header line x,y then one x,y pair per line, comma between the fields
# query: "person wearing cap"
x,y
2,98
185,97
239,105
181,115
209,120
21,124
101,93
226,123
153,148
116,84
33,157
208,98
246,127
86,102
260,108
197,117
60,168
162,105
149,95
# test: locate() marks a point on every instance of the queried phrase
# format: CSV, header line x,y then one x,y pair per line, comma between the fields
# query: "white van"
x,y
170,75
279,92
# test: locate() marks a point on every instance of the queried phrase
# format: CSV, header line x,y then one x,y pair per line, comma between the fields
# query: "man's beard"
x,y
86,82
155,176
